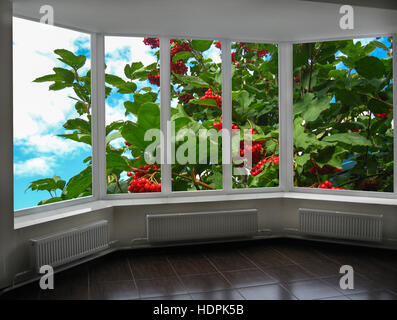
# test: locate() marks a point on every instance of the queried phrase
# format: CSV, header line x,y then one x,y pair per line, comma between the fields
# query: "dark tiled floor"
x,y
268,269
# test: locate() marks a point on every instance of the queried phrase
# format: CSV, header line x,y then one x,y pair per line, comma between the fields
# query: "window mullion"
x,y
285,61
165,115
98,128
226,115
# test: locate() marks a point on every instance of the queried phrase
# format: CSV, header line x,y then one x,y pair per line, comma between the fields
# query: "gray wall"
x,y
7,242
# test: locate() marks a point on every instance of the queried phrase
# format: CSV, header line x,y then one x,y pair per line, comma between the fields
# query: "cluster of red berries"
x,y
369,185
256,150
185,98
327,169
355,130
258,168
143,185
179,48
234,61
152,42
210,95
218,45
127,143
154,79
218,125
178,67
140,184
381,116
327,185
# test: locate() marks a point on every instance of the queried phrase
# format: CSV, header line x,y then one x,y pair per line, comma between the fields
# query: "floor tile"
x,y
360,284
110,269
190,264
205,283
218,295
114,290
248,278
373,295
336,298
289,273
265,257
150,267
27,292
311,289
321,268
160,287
229,260
267,292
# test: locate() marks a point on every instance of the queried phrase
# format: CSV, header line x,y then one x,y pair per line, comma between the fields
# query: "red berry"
x,y
152,42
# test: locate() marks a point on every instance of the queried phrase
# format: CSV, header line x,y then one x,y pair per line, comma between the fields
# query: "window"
x,y
343,115
343,129
196,114
132,115
52,114
255,113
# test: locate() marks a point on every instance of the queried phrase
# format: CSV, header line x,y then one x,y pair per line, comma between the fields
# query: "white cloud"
x,y
42,166
50,144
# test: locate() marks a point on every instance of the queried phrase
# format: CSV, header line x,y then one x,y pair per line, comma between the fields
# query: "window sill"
x,y
24,221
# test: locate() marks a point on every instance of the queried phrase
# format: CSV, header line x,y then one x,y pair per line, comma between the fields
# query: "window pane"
x,y
255,115
343,115
52,106
132,114
196,114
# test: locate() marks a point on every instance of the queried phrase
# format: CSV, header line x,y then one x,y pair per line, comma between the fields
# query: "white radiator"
x,y
343,225
70,245
201,225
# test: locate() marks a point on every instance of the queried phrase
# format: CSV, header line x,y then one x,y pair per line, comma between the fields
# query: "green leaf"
x,y
201,45
47,184
370,67
204,102
149,116
69,58
183,55
113,136
310,107
78,124
194,81
50,200
134,134
78,184
353,138
130,69
114,80
79,137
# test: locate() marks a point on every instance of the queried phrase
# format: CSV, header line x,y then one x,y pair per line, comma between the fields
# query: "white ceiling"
x,y
281,20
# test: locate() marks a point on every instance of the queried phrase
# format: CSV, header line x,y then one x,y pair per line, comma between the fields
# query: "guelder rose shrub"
x,y
343,115
132,110
255,109
196,106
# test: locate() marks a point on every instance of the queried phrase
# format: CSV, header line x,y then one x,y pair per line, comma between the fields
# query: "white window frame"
x,y
285,60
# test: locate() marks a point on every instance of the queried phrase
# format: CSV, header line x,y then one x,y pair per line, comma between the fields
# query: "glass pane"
x,y
343,115
255,115
52,107
132,114
196,114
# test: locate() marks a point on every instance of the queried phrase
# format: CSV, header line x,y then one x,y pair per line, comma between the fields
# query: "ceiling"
x,y
281,20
